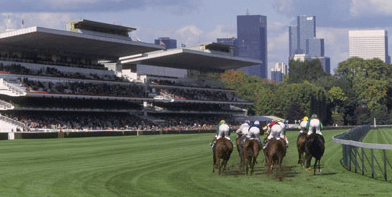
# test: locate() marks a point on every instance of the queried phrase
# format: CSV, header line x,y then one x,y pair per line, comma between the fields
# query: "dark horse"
x,y
274,154
314,147
251,151
301,148
222,150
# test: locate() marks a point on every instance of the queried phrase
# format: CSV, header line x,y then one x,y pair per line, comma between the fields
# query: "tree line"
x,y
359,91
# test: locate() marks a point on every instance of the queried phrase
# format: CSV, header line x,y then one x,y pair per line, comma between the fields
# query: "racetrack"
x,y
165,165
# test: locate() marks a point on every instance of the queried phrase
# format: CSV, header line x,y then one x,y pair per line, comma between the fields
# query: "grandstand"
x,y
86,78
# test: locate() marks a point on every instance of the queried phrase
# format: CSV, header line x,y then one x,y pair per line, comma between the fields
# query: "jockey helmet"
x,y
222,122
257,122
278,120
247,121
305,118
266,127
314,116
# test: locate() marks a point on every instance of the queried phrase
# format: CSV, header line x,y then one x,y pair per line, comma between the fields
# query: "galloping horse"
x,y
240,148
314,147
251,151
274,154
301,148
222,150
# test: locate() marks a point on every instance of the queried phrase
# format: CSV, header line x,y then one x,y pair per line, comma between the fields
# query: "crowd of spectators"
x,y
53,72
66,61
115,121
85,88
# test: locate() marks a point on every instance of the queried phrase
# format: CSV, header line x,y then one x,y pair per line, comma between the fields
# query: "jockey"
x,y
283,125
302,125
244,128
223,130
254,130
275,131
219,131
314,123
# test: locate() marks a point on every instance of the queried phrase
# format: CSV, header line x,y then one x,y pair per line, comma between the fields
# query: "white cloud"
x,y
222,31
48,20
370,7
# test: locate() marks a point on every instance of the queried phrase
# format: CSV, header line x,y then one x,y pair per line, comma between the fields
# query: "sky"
x,y
191,22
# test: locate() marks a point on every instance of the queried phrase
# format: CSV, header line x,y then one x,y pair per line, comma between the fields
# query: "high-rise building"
x,y
315,47
167,42
303,44
252,42
302,38
231,42
293,40
279,71
368,44
306,30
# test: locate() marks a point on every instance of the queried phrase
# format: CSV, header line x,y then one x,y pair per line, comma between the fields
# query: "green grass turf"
x,y
165,165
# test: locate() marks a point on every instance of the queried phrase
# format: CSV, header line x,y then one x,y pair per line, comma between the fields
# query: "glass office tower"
x,y
252,42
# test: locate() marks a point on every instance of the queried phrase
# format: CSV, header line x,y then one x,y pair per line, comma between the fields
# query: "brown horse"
x,y
240,147
222,150
314,147
251,151
274,154
301,148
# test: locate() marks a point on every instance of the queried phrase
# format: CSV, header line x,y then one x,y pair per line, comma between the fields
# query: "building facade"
x,y
368,44
252,42
315,47
306,30
293,40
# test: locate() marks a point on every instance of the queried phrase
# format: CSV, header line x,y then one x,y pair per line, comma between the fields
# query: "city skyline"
x,y
194,22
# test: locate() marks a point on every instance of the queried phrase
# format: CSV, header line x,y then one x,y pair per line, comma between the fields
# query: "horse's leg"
x,y
299,155
214,159
253,165
308,161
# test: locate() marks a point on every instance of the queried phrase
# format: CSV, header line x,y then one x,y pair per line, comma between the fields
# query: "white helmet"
x,y
257,122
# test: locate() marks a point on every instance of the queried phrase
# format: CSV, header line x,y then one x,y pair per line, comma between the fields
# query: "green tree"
x,y
307,70
294,112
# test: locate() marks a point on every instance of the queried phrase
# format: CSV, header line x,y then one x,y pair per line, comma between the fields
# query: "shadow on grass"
x,y
261,169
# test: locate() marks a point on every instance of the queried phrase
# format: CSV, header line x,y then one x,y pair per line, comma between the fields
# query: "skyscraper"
x,y
252,42
302,38
293,40
315,47
167,42
303,44
306,30
368,44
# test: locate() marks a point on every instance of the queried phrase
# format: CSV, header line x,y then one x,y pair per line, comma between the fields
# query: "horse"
x,y
251,151
274,153
301,148
222,150
240,147
314,147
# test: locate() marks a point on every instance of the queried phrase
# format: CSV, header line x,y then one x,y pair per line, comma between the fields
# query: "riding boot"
x,y
265,144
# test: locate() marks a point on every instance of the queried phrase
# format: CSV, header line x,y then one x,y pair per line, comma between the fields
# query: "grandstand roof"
x,y
33,38
187,58
102,25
